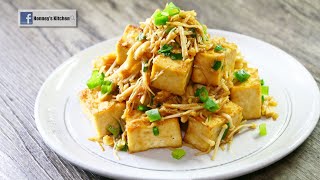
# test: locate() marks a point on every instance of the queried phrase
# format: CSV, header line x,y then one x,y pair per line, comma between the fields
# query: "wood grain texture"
x,y
29,55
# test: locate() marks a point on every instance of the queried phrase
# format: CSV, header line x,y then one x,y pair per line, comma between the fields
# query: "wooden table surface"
x,y
29,55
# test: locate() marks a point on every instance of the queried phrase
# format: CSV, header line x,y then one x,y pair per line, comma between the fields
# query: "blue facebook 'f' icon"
x,y
26,17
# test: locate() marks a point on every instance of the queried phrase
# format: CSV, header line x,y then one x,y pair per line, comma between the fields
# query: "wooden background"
x,y
29,55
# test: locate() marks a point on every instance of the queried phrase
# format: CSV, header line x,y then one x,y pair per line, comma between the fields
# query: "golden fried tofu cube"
x,y
203,71
171,75
199,132
105,61
140,135
102,114
248,95
128,38
234,111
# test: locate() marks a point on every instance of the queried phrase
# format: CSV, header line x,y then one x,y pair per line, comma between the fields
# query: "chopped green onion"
x,y
170,10
178,153
205,37
194,34
164,13
262,82
167,53
176,56
165,49
160,19
262,98
143,108
265,90
197,93
106,87
202,93
155,131
141,37
124,148
145,67
211,105
204,27
216,65
241,75
121,145
226,131
114,131
263,129
95,80
153,115
218,48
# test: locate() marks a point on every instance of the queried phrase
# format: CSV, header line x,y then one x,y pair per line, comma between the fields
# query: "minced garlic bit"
x,y
267,109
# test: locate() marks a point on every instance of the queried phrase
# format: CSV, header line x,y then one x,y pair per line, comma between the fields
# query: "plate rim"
x,y
238,172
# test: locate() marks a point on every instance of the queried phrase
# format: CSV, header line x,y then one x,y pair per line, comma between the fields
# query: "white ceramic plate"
x,y
65,129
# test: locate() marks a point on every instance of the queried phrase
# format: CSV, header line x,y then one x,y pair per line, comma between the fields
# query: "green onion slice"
x,y
216,65
202,93
211,105
263,129
95,80
241,75
145,67
170,10
163,13
121,145
178,153
262,98
194,33
113,130
265,90
262,82
160,19
204,27
218,48
106,87
226,131
124,148
165,49
153,115
141,37
205,37
155,130
176,56
143,108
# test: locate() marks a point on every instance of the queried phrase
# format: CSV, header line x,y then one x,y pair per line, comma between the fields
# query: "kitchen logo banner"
x,y
47,18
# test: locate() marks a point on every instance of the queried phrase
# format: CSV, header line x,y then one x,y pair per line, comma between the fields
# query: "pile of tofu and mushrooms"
x,y
163,80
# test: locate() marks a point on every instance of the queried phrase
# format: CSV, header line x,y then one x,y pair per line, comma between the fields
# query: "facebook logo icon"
x,y
26,17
